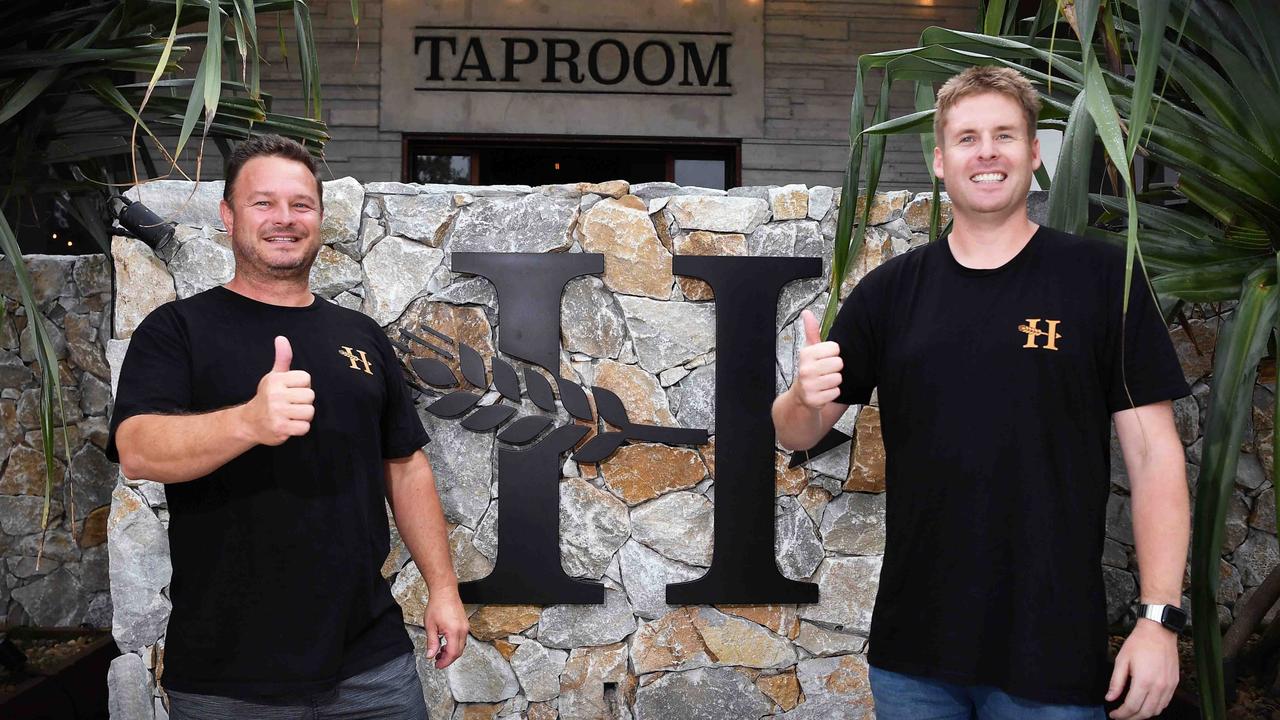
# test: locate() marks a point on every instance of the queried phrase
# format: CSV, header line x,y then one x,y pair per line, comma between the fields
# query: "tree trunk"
x,y
1250,615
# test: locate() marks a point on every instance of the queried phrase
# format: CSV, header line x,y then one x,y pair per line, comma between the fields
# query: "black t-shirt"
x,y
996,389
277,554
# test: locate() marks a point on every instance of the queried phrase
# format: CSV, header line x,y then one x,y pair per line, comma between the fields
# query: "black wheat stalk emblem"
x,y
525,430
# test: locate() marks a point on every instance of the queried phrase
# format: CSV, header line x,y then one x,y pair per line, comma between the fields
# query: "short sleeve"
x,y
1144,368
402,431
155,377
855,331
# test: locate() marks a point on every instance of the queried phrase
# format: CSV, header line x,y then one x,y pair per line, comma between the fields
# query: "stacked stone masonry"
x,y
635,522
54,573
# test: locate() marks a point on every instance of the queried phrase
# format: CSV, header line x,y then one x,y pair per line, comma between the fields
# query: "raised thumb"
x,y
812,333
284,354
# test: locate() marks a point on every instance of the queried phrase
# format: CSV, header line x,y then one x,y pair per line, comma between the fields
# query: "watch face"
x,y
1174,618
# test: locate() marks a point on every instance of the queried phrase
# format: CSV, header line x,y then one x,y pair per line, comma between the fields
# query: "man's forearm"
x,y
1161,528
800,427
179,448
1160,501
411,490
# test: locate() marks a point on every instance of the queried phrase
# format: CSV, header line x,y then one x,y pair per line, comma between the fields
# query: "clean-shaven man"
x,y
1001,357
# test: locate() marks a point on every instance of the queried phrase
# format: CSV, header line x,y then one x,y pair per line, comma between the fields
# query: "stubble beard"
x,y
250,260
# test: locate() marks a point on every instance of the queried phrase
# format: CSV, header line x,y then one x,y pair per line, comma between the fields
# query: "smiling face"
x,y
273,217
986,155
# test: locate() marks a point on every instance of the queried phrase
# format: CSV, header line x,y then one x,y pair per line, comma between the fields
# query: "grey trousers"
x,y
390,691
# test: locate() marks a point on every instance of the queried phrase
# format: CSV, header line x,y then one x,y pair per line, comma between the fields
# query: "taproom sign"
x,y
537,60
583,67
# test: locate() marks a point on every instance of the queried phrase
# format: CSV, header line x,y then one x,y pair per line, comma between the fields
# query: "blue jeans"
x,y
910,697
390,691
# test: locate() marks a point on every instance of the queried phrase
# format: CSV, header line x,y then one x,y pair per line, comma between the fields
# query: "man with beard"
x,y
1001,356
279,423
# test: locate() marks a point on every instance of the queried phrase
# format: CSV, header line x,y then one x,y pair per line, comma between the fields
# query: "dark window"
x,y
512,160
446,169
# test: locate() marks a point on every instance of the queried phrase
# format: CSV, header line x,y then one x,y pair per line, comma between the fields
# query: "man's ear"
x,y
1035,154
937,161
228,218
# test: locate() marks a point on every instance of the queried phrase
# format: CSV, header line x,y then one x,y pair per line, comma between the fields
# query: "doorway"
x,y
546,160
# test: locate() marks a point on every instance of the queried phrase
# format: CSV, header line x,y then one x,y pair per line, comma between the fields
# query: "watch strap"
x,y
1160,614
1152,612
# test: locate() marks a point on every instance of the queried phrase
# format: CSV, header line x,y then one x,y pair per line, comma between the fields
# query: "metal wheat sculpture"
x,y
524,430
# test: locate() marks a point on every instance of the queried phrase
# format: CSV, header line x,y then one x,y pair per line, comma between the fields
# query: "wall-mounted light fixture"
x,y
138,221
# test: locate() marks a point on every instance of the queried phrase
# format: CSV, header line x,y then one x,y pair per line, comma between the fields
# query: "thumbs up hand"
x,y
284,404
818,368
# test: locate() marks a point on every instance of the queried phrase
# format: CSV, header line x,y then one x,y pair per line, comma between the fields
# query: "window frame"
x,y
727,149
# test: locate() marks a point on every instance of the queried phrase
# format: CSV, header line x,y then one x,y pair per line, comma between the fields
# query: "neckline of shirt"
x,y
1019,258
316,301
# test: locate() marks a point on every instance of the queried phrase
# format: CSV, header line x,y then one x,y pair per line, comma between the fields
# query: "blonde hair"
x,y
987,79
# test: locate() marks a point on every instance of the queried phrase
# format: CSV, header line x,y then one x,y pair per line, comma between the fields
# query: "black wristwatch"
x,y
1171,617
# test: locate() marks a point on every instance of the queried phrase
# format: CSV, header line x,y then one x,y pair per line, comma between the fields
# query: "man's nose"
x,y
282,215
987,147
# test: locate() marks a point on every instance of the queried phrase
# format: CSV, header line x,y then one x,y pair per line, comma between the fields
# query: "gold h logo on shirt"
x,y
1033,331
356,360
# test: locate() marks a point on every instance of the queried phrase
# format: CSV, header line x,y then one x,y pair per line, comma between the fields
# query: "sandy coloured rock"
x,y
644,471
887,206
783,689
635,262
780,619
866,465
701,242
789,202
143,283
643,397
671,642
734,641
582,683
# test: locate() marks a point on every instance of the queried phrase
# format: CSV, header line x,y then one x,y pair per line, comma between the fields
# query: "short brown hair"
x,y
269,145
985,79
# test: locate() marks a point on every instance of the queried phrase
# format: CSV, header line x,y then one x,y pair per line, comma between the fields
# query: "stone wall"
x,y
69,585
642,518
